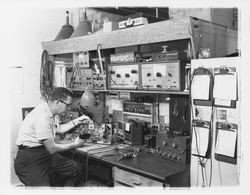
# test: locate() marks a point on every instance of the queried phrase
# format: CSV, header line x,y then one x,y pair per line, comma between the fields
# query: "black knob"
x,y
118,75
133,71
111,72
148,74
158,74
169,74
127,75
158,86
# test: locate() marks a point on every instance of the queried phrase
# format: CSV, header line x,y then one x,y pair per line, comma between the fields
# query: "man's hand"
x,y
82,119
79,142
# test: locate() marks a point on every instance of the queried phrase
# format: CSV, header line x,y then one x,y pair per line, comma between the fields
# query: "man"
x,y
38,152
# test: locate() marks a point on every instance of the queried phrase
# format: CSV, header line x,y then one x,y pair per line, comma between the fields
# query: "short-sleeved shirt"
x,y
38,125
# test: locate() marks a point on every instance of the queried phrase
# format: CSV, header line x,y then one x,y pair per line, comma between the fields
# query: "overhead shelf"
x,y
169,30
136,91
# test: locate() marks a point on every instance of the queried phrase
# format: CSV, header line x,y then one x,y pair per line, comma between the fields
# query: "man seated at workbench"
x,y
38,152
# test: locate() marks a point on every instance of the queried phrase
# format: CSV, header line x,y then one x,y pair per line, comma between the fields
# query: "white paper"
x,y
222,102
225,87
127,126
60,76
202,141
225,143
200,87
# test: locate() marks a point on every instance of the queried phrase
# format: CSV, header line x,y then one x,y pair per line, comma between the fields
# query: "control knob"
x,y
174,145
133,71
164,143
158,74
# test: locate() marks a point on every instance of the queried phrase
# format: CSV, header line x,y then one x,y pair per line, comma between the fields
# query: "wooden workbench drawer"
x,y
125,178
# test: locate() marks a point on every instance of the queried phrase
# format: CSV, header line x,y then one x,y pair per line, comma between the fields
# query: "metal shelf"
x,y
135,91
138,114
168,30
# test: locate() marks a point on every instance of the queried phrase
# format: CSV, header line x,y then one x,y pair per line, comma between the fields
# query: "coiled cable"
x,y
46,75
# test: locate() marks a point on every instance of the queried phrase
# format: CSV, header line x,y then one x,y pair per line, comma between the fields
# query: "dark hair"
x,y
60,93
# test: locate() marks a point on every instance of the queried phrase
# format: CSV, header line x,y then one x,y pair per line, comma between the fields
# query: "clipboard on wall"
x,y
201,87
225,87
226,142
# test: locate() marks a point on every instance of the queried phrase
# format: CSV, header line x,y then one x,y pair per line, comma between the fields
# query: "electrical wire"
x,y
220,173
201,163
46,75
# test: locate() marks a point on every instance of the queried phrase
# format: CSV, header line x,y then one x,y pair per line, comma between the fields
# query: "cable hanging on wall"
x,y
203,74
46,75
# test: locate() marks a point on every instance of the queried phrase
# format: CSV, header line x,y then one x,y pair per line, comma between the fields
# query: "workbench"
x,y
146,169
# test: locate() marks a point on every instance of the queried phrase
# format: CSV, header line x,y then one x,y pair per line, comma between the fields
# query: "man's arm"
x,y
69,125
54,147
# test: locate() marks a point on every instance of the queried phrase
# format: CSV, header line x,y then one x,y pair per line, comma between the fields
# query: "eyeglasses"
x,y
68,105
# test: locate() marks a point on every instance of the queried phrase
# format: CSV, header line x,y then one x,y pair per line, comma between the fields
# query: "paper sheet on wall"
x,y
200,87
59,76
225,142
202,141
225,86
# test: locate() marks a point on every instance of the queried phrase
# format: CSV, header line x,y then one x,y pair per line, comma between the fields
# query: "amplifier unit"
x,y
131,133
81,59
99,81
123,76
173,147
82,79
163,76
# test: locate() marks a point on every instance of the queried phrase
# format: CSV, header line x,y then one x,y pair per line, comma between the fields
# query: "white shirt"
x,y
38,125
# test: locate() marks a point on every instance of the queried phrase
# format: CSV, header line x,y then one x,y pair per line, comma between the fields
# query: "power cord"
x,y
46,75
201,163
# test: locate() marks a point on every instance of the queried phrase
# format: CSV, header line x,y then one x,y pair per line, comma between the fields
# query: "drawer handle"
x,y
137,183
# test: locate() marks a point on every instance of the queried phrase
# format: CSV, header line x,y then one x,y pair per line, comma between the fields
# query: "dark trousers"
x,y
34,166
